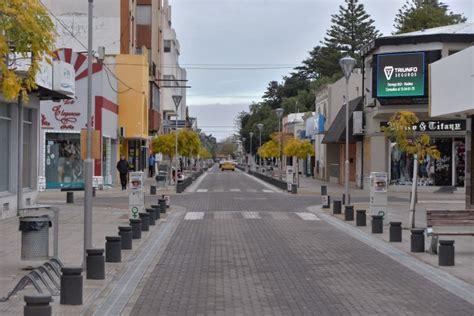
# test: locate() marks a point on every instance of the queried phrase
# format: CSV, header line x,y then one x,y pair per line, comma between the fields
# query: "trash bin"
x,y
35,237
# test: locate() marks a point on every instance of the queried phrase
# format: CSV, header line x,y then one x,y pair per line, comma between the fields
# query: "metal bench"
x,y
462,220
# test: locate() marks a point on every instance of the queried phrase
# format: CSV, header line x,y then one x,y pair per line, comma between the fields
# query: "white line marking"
x,y
308,216
195,185
201,190
234,190
192,216
268,191
267,185
251,215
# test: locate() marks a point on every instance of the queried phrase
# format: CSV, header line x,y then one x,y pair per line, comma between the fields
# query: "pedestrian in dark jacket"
x,y
122,167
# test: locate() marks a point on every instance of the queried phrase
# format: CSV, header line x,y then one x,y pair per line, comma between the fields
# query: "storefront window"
x,y
27,146
5,126
431,172
64,166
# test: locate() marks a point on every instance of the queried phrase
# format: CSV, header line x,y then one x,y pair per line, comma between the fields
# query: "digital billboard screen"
x,y
400,75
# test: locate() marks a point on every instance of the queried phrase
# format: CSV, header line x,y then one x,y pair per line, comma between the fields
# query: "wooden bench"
x,y
462,220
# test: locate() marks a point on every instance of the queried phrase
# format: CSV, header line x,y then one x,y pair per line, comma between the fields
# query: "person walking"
x,y
151,166
122,167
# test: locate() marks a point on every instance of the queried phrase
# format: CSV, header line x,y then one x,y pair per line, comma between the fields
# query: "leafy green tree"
x,y
27,30
417,15
400,130
351,29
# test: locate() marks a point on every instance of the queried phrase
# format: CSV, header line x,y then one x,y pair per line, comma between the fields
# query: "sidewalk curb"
x,y
443,279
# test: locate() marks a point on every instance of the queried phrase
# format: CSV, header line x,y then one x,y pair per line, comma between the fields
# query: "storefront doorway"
x,y
63,164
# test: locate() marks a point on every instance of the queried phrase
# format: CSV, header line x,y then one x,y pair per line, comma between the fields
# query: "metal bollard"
x,y
162,204
294,189
93,191
151,212
324,190
95,264
336,207
349,213
361,218
446,253
377,224
70,197
145,217
113,249
417,240
71,286
157,209
152,190
37,305
126,233
395,234
136,224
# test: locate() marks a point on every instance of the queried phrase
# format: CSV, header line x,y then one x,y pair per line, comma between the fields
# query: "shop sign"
x,y
319,122
64,78
401,75
435,126
67,119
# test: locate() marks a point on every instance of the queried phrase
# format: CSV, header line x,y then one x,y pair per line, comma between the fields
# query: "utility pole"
x,y
88,164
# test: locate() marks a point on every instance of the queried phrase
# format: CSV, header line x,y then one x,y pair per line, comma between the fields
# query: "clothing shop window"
x,y
5,127
447,171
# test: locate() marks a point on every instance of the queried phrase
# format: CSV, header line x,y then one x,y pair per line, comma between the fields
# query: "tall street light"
x,y
260,127
279,113
347,65
243,147
251,136
177,101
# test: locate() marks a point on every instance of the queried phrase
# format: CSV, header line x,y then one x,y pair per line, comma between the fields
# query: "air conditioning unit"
x,y
122,132
358,123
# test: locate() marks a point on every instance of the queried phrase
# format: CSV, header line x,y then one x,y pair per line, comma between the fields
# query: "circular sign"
x,y
381,213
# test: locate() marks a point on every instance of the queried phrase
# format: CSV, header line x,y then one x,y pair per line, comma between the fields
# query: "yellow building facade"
x,y
133,99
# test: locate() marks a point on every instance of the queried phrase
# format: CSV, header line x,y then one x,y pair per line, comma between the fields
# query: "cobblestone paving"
x,y
271,264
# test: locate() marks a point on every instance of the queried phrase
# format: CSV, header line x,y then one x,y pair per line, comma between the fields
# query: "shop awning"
x,y
336,133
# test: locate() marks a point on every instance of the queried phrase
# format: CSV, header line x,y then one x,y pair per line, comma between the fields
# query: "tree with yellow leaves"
x,y
26,31
165,144
400,130
300,149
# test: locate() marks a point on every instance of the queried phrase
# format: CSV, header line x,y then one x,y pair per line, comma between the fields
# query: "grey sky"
x,y
256,33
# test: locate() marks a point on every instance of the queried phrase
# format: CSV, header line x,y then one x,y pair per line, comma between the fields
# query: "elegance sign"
x,y
401,75
435,126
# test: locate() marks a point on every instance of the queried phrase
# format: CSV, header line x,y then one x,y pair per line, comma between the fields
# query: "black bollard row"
x,y
151,213
113,249
349,213
95,264
145,217
37,305
71,286
446,253
361,218
377,224
136,224
417,240
126,233
337,207
395,233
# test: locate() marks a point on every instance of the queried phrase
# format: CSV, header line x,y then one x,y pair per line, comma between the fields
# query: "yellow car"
x,y
228,165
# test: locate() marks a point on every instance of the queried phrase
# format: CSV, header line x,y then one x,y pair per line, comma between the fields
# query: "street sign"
x,y
177,100
379,194
136,197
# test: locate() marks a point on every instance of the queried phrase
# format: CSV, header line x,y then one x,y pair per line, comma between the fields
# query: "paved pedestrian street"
x,y
243,248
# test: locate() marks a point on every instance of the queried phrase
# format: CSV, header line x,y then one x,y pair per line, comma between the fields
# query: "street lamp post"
x,y
251,136
177,101
260,127
279,113
347,65
243,150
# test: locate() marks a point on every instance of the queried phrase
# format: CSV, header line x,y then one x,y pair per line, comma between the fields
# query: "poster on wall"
x,y
400,75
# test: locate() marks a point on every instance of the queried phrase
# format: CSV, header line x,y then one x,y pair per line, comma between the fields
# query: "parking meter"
x,y
379,194
136,197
